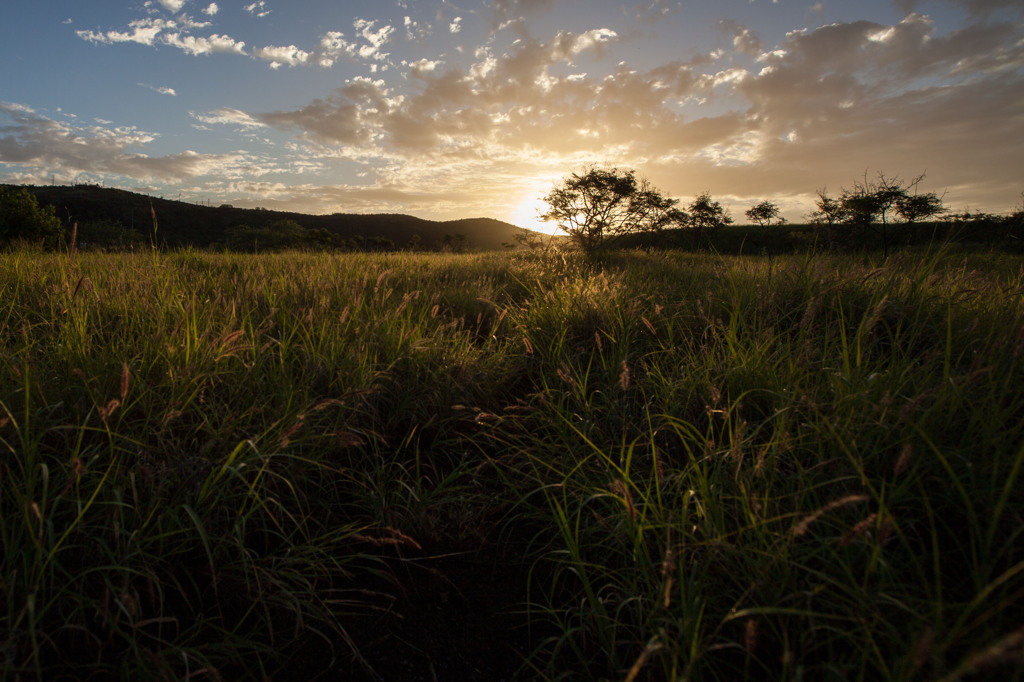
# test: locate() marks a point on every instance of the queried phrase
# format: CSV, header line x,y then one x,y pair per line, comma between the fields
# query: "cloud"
x,y
228,116
291,55
173,5
162,91
754,118
199,46
152,32
257,9
38,145
654,11
375,39
211,10
743,39
506,11
821,104
415,31
143,32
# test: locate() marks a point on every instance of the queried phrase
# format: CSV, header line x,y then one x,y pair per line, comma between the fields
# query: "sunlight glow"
x,y
526,215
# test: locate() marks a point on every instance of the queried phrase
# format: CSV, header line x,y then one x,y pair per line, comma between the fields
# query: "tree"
x,y
763,213
870,203
706,215
22,218
828,211
914,207
597,207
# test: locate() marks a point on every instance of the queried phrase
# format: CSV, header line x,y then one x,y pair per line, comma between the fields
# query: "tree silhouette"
x,y
763,213
598,206
706,215
828,211
870,204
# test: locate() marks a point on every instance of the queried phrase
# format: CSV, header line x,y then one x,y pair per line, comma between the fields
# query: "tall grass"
x,y
693,467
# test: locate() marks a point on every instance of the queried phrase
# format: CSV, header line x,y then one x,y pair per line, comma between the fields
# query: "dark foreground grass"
x,y
650,467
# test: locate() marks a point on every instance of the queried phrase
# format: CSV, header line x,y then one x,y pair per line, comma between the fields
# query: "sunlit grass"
x,y
694,467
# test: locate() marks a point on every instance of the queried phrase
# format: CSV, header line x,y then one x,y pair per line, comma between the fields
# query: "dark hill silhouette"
x,y
185,224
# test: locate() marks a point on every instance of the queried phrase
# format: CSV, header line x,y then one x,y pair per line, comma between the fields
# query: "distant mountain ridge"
x,y
184,224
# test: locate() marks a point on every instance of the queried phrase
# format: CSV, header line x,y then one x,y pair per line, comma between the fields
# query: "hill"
x,y
185,224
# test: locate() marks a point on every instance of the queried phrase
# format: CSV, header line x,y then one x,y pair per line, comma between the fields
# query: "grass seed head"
x,y
125,381
801,528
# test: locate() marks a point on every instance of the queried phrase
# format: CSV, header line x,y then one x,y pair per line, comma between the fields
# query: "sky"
x,y
476,108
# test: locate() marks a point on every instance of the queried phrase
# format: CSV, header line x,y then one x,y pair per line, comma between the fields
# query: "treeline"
x,y
610,208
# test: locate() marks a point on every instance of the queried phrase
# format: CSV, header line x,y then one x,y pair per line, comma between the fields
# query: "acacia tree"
x,y
870,204
763,213
599,206
706,215
828,211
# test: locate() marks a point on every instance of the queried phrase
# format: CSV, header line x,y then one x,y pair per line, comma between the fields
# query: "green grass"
x,y
640,467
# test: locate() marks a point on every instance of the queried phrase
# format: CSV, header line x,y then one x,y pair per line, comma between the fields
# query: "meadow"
x,y
639,466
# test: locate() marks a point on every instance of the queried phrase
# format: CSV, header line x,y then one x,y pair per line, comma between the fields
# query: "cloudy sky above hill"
x,y
464,109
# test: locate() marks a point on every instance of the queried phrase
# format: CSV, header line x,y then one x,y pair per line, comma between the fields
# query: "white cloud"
x,y
257,9
376,39
332,46
228,116
161,90
423,66
42,145
414,31
291,55
199,46
211,10
456,25
173,5
143,32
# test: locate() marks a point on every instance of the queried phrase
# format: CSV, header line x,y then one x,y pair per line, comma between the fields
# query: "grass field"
x,y
643,467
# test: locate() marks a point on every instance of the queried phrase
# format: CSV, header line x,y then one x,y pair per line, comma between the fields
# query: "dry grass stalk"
x,y
813,308
750,636
125,381
624,376
292,430
1007,649
801,528
906,455
857,530
327,402
668,571
923,648
762,455
107,411
876,314
348,439
634,671
395,538
622,489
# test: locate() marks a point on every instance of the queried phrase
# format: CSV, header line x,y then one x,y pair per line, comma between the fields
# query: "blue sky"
x,y
463,109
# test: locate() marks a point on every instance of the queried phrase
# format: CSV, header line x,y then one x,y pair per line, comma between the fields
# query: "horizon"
x,y
449,111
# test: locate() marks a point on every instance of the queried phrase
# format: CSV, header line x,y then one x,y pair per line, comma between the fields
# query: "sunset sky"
x,y
474,108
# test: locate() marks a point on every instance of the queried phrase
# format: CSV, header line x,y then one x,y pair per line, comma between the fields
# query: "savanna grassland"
x,y
499,466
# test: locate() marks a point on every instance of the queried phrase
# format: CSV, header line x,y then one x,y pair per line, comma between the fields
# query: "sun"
x,y
526,214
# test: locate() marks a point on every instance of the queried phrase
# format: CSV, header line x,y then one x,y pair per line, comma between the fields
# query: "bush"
x,y
22,219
